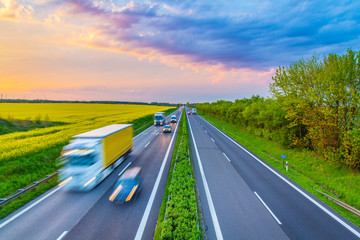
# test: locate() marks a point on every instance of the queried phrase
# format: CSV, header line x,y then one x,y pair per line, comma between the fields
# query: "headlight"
x,y
88,182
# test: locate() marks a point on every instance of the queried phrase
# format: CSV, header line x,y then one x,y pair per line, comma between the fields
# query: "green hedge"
x,y
181,217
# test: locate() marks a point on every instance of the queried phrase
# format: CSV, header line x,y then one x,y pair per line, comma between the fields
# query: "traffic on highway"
x,y
67,213
114,191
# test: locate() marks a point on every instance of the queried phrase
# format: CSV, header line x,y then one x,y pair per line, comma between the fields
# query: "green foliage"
x,y
315,105
351,148
322,97
181,212
263,117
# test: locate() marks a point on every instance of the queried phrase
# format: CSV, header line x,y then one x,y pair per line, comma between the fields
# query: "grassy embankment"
x,y
30,154
178,216
306,169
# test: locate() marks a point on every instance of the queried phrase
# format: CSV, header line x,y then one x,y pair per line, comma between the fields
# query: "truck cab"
x,y
159,119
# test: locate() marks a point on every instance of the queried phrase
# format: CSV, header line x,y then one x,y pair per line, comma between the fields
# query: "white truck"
x,y
92,156
194,111
159,118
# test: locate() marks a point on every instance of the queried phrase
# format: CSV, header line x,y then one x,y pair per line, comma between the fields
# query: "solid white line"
x,y
272,214
29,207
347,226
147,144
145,217
157,133
212,139
62,235
227,157
124,169
205,131
207,191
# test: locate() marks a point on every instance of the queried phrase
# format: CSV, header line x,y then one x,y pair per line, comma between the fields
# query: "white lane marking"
x,y
272,214
62,235
147,144
29,207
145,217
205,131
207,191
347,226
212,139
124,169
227,157
157,133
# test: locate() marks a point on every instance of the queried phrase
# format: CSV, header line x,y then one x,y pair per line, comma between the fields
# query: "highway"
x,y
60,214
242,197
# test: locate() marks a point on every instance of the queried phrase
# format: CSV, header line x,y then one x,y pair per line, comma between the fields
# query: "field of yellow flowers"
x,y
30,155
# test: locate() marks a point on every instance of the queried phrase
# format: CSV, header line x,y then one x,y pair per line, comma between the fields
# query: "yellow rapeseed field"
x,y
28,156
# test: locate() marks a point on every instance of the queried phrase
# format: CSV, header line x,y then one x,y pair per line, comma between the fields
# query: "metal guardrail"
x,y
21,191
340,203
150,123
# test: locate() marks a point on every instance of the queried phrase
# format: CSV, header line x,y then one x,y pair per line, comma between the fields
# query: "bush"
x,y
181,215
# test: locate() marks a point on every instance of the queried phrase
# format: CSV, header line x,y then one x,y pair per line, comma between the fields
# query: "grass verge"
x,y
306,169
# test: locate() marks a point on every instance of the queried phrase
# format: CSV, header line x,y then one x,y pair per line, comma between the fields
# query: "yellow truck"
x,y
91,156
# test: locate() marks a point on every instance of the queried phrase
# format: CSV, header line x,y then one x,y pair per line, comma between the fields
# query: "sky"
x,y
173,51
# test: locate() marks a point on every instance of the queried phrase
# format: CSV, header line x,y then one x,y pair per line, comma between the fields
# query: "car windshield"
x,y
158,117
81,160
127,182
167,127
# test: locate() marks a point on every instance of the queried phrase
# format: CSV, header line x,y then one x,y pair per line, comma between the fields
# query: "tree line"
x,y
314,104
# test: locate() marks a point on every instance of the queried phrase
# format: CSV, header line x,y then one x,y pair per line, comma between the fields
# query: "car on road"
x,y
167,129
189,113
173,118
127,187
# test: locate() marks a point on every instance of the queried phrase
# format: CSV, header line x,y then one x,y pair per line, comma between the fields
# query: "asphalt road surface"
x,y
60,214
243,198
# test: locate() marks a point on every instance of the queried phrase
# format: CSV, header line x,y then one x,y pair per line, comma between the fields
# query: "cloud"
x,y
11,10
226,46
255,36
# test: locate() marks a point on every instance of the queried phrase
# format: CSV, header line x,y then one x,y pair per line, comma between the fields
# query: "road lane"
x,y
106,220
300,218
63,210
240,214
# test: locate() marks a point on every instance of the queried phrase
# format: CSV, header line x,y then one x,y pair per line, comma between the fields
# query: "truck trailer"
x,y
159,118
91,156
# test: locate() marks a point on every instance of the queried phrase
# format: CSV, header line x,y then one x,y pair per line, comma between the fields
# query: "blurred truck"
x,y
91,156
194,111
159,118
